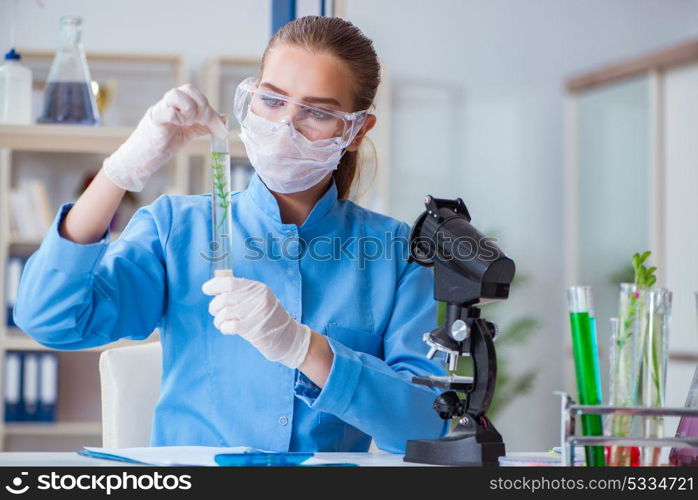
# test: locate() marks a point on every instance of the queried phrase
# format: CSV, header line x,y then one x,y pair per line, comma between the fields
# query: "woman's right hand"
x,y
180,116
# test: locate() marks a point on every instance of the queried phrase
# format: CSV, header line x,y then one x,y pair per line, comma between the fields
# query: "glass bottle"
x,y
68,97
15,91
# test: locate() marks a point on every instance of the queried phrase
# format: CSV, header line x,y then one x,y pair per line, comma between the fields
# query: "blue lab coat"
x,y
343,273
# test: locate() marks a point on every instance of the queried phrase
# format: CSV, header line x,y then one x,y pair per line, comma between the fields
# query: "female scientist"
x,y
313,344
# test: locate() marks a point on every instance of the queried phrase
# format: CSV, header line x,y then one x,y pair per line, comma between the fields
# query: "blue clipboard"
x,y
261,459
264,459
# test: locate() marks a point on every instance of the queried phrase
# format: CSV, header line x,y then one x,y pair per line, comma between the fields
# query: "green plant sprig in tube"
x,y
644,279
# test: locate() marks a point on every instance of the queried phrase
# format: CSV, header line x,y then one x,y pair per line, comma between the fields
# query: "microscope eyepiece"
x,y
469,267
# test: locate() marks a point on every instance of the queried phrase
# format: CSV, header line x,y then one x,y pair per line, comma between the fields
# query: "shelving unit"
x,y
16,340
99,140
75,140
45,139
54,429
53,147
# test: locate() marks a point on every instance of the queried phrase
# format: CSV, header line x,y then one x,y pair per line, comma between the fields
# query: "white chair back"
x,y
130,380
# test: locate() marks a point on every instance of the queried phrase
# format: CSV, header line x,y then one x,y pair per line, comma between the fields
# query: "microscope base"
x,y
469,444
462,452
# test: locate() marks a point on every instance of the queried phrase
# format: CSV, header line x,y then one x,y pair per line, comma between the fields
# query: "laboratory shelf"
x,y
21,241
52,428
85,139
45,153
16,340
62,138
24,246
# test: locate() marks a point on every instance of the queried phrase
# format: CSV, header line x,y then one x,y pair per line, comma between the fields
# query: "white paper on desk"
x,y
167,455
521,459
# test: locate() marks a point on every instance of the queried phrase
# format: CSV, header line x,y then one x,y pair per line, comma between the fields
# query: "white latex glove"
x,y
250,309
181,115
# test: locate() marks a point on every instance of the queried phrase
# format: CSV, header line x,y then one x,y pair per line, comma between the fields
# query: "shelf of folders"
x,y
30,386
637,379
30,378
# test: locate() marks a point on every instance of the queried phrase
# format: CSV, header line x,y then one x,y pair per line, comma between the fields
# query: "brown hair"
x,y
345,41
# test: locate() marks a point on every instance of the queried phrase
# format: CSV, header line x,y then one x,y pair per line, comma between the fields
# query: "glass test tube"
x,y
651,355
586,365
621,380
221,214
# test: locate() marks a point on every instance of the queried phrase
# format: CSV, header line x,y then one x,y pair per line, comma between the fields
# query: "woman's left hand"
x,y
250,309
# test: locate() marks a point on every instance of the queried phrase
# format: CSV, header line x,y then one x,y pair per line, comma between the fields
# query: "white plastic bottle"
x,y
15,91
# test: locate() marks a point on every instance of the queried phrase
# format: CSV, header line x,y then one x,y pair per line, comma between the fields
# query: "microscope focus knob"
x,y
494,328
460,330
448,405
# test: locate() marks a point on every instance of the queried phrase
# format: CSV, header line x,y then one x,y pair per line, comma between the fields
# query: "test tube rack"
x,y
569,439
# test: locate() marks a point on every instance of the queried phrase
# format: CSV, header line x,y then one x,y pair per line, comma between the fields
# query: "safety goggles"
x,y
314,123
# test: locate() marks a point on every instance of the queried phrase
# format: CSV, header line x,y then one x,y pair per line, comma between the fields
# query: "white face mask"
x,y
285,159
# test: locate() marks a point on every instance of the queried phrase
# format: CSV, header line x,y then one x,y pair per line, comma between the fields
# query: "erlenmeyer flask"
x,y
68,96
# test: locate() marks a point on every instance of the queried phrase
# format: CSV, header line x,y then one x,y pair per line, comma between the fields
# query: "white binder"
x,y
31,386
12,379
48,386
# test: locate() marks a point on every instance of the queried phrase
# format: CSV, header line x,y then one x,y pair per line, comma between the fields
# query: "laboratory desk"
x,y
71,459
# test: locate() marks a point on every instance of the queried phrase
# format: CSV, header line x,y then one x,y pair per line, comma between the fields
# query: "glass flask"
x,y
68,97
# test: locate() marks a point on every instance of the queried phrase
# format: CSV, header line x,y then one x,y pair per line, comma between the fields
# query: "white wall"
x,y
198,29
477,114
479,85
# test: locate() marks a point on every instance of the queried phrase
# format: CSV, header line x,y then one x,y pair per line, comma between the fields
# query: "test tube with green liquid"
x,y
221,213
586,366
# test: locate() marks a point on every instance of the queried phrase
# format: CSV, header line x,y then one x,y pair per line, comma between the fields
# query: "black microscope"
x,y
469,270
